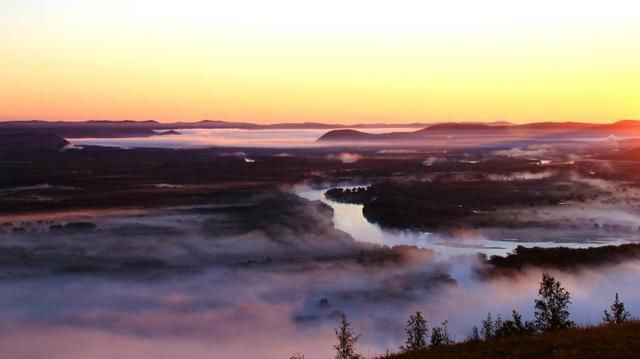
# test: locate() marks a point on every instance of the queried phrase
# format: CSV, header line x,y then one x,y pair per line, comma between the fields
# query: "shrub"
x,y
487,328
440,335
513,326
618,313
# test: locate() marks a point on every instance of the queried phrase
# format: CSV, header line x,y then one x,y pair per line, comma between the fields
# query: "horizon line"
x,y
8,120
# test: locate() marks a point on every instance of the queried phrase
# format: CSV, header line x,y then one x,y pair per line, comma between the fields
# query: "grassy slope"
x,y
613,341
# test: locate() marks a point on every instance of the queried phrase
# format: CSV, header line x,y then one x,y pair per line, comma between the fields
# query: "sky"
x,y
331,61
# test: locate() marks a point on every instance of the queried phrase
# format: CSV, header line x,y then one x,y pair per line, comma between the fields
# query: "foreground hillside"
x,y
610,341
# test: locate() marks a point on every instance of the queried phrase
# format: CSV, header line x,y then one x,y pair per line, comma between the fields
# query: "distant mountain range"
x,y
110,129
537,130
337,133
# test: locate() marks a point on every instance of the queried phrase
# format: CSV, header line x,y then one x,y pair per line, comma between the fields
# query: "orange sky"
x,y
282,61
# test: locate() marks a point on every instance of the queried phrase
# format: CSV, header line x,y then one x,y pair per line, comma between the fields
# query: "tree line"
x,y
551,313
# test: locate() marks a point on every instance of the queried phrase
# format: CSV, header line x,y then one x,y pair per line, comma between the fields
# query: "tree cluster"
x,y
551,311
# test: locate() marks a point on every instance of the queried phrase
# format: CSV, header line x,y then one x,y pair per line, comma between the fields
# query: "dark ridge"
x,y
101,129
561,258
538,131
635,124
462,127
168,132
31,142
558,125
345,135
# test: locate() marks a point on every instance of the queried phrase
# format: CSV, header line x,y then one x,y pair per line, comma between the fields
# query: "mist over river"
x,y
227,137
349,218
231,310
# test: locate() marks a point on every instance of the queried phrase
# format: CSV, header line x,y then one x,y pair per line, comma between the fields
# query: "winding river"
x,y
349,218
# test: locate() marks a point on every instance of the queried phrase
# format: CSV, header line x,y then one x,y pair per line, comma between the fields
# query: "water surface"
x,y
349,218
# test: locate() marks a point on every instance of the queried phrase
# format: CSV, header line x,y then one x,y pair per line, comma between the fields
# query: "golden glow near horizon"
x,y
331,61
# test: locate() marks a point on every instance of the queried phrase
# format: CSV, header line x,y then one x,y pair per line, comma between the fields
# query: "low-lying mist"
x,y
278,309
265,275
